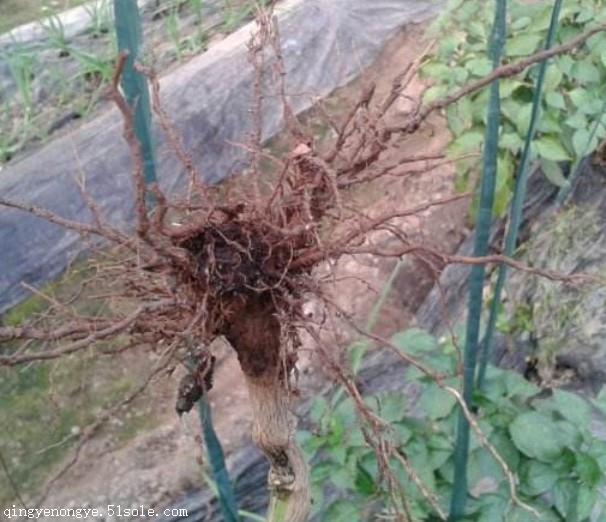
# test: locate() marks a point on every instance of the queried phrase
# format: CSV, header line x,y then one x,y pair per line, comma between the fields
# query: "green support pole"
x,y
134,85
477,277
517,203
227,499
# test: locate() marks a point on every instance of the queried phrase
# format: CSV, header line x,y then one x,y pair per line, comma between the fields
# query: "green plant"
x,y
171,24
197,41
97,69
574,89
55,32
544,438
22,64
234,13
99,12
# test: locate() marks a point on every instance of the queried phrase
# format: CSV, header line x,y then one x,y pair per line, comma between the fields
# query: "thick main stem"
x,y
257,336
274,428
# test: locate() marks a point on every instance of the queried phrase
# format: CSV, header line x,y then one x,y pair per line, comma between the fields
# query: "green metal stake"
x,y
227,499
517,203
134,84
476,280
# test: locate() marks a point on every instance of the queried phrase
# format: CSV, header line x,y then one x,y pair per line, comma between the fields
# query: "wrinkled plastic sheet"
x,y
325,43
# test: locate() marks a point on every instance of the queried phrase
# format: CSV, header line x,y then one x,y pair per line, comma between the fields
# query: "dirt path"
x,y
161,465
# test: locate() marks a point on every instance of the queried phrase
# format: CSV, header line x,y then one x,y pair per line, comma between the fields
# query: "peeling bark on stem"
x,y
274,428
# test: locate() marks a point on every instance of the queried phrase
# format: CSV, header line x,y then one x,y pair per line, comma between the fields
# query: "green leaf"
x,y
577,121
437,71
343,479
588,469
392,406
555,99
364,482
502,442
318,409
469,141
572,407
523,44
479,66
436,403
600,400
587,498
551,149
569,435
585,72
511,141
553,173
518,514
434,92
565,494
538,477
402,431
536,436
585,101
583,142
517,386
518,113
343,511
521,23
507,87
459,116
565,64
414,341
355,352
553,78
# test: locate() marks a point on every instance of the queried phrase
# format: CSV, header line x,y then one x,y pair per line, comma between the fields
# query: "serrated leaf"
x,y
535,435
550,149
